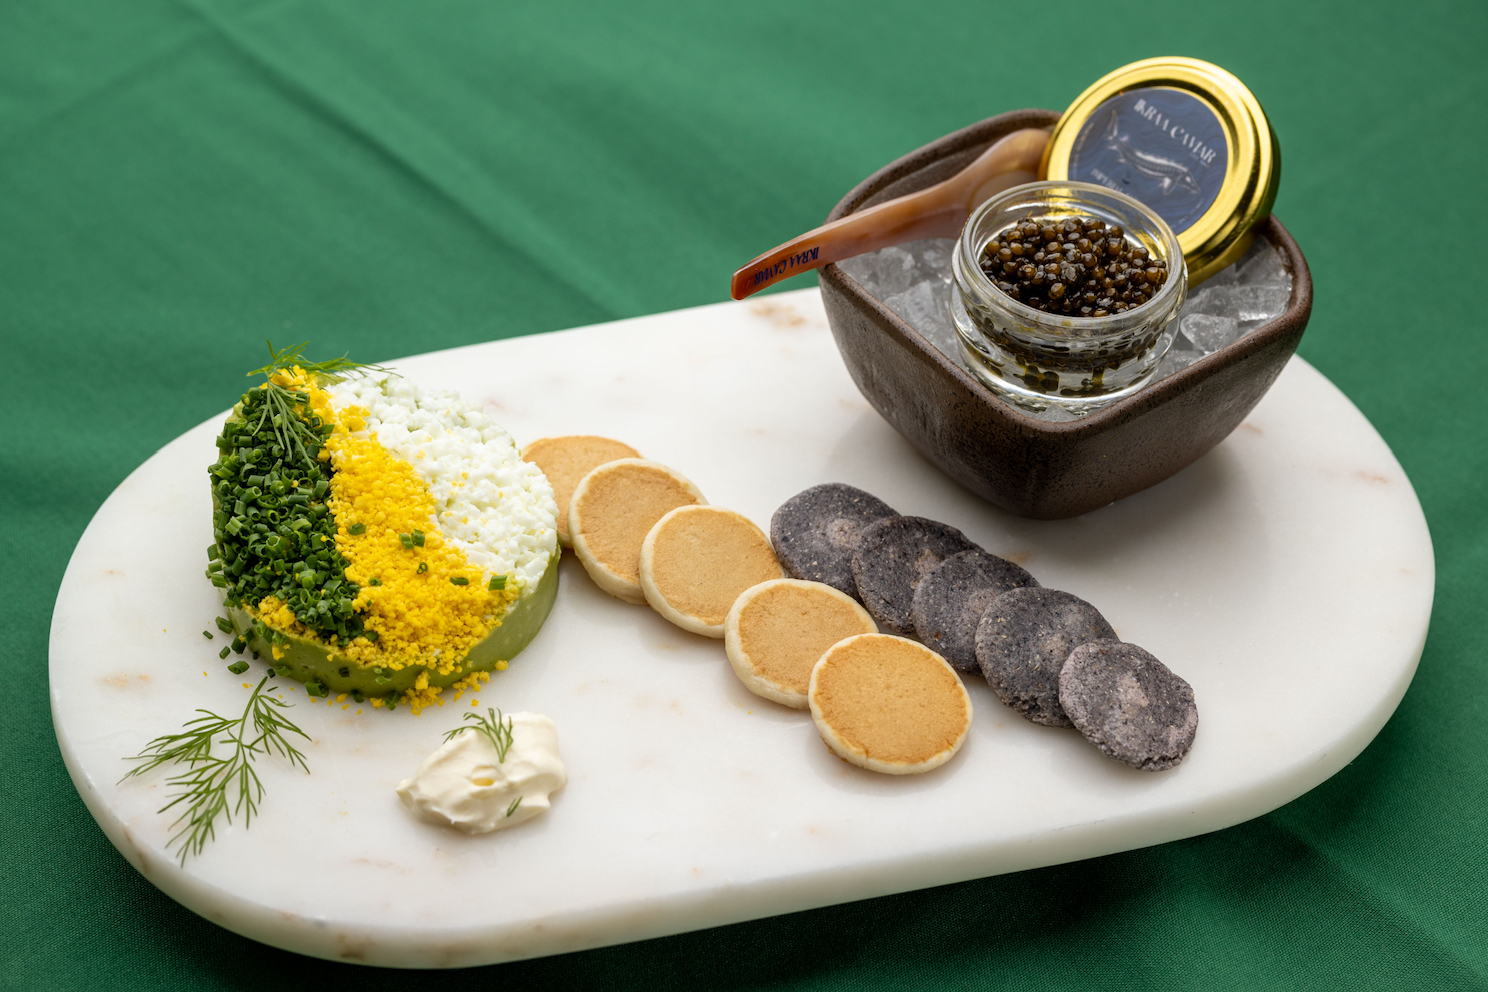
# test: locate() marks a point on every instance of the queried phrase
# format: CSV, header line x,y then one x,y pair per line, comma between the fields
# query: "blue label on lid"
x,y
1162,146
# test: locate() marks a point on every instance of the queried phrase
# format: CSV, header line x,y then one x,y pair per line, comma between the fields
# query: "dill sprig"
x,y
334,370
496,729
285,410
212,785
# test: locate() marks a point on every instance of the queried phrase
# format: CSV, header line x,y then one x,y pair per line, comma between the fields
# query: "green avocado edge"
x,y
306,660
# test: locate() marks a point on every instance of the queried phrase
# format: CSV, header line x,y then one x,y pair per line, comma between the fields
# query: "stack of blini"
x,y
645,534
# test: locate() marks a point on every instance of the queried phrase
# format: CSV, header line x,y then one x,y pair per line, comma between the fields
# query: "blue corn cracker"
x,y
893,556
1129,704
1022,642
816,531
949,602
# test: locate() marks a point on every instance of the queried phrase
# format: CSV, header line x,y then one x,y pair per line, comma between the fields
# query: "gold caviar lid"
x,y
1187,139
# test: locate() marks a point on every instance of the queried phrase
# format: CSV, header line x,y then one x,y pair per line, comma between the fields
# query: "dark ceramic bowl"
x,y
1024,465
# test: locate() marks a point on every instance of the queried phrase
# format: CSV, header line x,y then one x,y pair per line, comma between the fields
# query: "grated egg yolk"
x,y
420,617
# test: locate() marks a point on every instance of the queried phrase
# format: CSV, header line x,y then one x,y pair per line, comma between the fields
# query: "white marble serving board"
x,y
1287,575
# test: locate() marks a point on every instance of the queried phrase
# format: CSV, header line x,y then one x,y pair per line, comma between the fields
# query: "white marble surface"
x,y
1287,575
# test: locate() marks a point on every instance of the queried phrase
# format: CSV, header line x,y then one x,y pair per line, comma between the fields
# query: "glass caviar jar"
x,y
1036,359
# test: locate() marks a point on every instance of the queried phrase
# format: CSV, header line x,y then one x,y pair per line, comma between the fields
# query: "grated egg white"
x,y
493,506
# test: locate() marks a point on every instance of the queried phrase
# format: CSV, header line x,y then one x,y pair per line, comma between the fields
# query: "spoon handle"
x,y
937,211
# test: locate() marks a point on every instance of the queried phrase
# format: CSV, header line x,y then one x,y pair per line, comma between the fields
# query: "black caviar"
x,y
275,534
1075,267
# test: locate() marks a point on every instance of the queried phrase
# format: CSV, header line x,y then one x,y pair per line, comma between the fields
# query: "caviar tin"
x,y
1031,467
1186,138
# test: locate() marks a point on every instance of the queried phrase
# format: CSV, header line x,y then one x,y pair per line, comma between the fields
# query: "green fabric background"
x,y
180,179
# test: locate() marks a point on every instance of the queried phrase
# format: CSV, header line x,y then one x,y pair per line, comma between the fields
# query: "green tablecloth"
x,y
180,179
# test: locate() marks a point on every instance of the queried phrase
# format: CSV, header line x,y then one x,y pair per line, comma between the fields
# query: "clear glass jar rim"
x,y
966,255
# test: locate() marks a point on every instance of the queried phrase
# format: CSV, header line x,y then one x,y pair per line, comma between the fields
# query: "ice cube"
x,y
1175,361
1053,414
1258,245
925,306
1263,268
1208,333
1261,302
1208,298
1224,277
884,272
1239,302
932,258
1261,264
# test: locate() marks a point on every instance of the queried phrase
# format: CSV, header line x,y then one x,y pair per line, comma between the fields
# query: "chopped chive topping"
x,y
224,653
374,582
459,580
208,635
370,635
418,538
497,582
513,807
423,567
224,625
272,674
239,644
317,689
275,536
356,694
357,529
407,540
238,667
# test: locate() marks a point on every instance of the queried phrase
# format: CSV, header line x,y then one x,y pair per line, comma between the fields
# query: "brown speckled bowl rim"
x,y
969,142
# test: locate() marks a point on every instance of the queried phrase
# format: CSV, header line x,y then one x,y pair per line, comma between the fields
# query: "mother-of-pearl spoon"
x,y
939,211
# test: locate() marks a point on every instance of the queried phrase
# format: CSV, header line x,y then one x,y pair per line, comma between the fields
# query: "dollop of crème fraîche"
x,y
471,785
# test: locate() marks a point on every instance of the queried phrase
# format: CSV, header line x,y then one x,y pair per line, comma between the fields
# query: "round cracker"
x,y
1022,643
1129,704
892,556
612,510
696,561
778,630
888,704
816,531
566,460
950,600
